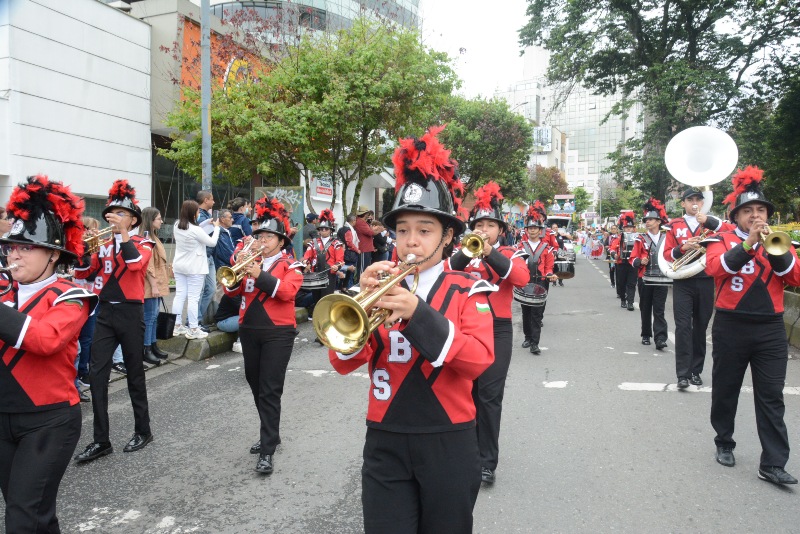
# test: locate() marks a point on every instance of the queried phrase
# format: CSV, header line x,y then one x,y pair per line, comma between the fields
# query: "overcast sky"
x,y
482,36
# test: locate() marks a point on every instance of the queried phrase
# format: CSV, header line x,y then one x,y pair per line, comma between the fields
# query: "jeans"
x,y
187,286
231,324
150,318
85,343
117,356
209,287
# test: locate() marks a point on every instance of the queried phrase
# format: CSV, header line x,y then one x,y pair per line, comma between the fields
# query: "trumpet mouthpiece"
x,y
411,258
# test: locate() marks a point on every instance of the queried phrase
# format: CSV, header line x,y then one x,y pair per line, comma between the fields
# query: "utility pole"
x,y
205,89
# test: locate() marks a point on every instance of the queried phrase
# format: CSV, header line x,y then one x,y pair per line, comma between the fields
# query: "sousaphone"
x,y
698,157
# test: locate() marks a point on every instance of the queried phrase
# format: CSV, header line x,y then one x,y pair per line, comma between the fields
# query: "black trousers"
x,y
35,450
487,392
692,307
118,324
652,300
266,357
612,273
761,343
626,281
419,483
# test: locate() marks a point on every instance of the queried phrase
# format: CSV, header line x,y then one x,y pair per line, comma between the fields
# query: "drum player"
x,y
325,254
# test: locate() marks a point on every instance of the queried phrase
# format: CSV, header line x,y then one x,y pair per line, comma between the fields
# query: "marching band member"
x,y
609,243
421,470
652,298
267,325
626,275
748,326
40,319
504,267
325,253
693,297
120,266
539,258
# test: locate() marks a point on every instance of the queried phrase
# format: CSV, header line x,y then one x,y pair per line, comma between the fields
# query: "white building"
x,y
74,97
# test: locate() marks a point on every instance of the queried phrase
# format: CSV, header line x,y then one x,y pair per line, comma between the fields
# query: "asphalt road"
x,y
578,452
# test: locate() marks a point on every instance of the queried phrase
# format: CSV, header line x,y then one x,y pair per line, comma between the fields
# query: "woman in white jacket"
x,y
190,267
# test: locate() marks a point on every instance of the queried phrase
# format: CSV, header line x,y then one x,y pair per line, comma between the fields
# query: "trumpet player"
x,y
421,470
504,267
325,254
652,298
267,325
748,327
692,297
621,251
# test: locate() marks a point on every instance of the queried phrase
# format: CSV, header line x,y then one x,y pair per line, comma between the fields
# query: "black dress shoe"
x,y
725,456
138,441
645,340
622,304
776,475
683,383
535,349
561,283
94,451
255,448
695,380
264,464
661,344
83,396
149,357
630,306
158,353
487,475
526,343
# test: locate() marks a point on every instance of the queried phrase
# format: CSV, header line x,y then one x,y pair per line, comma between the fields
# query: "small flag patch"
x,y
482,307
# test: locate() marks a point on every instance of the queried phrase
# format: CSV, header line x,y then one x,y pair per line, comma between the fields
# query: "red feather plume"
x,y
121,190
269,208
627,218
537,211
747,179
327,216
487,197
655,205
30,200
418,160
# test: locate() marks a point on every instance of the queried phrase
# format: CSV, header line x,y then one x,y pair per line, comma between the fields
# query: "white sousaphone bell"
x,y
698,157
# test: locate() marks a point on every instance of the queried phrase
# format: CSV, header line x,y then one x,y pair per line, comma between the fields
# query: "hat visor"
x,y
285,238
133,213
770,208
390,219
502,223
15,240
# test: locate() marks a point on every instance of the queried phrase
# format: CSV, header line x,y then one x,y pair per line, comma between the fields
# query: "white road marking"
x,y
212,366
630,353
612,348
317,372
167,522
559,384
234,369
654,386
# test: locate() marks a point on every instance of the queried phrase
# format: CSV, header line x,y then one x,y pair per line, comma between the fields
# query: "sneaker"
x,y
179,330
237,346
195,333
120,368
725,456
776,475
83,381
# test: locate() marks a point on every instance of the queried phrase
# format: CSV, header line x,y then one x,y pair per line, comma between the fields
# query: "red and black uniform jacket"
x,y
422,369
119,269
616,246
749,282
504,267
719,225
546,259
643,247
334,253
268,301
38,344
679,233
551,239
613,244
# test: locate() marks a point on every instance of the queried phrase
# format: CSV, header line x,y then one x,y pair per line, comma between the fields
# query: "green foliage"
x,y
545,183
625,197
490,143
686,61
582,199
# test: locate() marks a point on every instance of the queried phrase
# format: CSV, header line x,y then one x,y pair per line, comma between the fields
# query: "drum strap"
x,y
322,258
533,259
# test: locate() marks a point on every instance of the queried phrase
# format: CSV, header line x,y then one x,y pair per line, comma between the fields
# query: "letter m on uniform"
x,y
681,232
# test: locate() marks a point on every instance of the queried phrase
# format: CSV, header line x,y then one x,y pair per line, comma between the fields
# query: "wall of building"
x,y
77,97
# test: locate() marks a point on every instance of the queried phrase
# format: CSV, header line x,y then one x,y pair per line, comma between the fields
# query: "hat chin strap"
x,y
438,247
46,266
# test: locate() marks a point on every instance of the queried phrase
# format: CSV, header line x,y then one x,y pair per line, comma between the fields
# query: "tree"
x,y
625,197
685,61
546,183
582,199
490,143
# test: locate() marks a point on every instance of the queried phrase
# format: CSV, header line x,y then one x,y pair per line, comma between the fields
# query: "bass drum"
x,y
312,281
531,294
564,269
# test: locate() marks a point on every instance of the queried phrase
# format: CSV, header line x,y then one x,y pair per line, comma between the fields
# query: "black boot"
x,y
149,357
160,354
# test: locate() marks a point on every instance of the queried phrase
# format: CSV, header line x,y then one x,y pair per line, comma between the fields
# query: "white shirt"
x,y
426,280
190,249
26,291
266,263
691,222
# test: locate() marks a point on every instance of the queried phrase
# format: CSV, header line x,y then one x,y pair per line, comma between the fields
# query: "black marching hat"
x,y
747,190
122,195
487,206
270,217
536,215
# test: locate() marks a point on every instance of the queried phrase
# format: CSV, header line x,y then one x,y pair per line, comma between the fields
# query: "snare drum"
x,y
312,281
531,295
564,269
656,280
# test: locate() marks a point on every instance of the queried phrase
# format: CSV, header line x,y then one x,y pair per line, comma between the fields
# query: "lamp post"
x,y
518,105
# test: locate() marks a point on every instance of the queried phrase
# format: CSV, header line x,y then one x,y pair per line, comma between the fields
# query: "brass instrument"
x,y
776,242
230,276
472,245
93,243
344,323
691,255
6,271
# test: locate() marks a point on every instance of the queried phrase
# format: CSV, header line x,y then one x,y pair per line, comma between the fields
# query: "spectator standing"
x,y
205,202
347,235
364,232
87,332
380,242
156,284
310,228
240,207
225,245
190,267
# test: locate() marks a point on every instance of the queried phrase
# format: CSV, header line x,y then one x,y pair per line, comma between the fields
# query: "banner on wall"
x,y
321,188
292,197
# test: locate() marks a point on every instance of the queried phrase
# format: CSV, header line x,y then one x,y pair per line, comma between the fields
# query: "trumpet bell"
x,y
341,323
777,243
701,156
472,245
227,276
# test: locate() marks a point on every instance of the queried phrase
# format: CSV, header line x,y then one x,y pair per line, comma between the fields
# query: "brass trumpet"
x,y
93,243
6,272
230,276
472,245
344,323
777,242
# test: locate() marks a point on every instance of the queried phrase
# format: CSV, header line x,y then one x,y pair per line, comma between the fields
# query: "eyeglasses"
x,y
20,250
